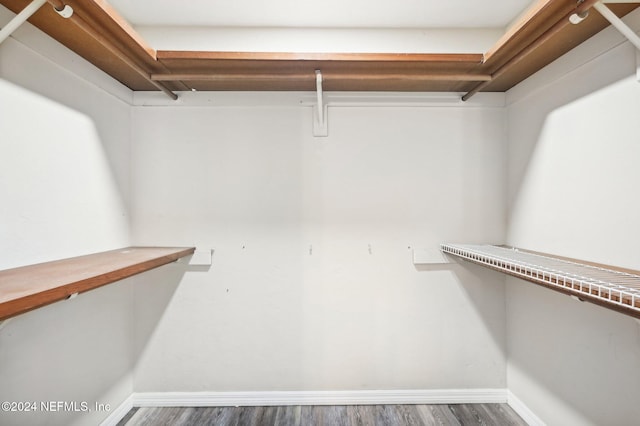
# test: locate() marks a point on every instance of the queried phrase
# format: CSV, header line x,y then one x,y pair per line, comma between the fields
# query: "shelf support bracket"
x,y
20,18
320,110
617,23
638,65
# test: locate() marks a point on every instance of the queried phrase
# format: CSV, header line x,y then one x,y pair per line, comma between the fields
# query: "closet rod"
x,y
327,77
582,7
104,41
20,18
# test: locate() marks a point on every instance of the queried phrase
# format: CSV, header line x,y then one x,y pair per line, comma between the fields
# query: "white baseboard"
x,y
118,414
365,397
523,411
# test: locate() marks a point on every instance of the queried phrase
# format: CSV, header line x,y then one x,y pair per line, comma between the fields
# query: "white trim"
x,y
523,411
118,414
272,398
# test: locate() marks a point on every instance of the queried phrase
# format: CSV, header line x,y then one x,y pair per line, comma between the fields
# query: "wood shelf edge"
x,y
525,22
26,280
109,21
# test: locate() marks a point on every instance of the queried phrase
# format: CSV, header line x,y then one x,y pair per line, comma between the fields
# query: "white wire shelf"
x,y
614,289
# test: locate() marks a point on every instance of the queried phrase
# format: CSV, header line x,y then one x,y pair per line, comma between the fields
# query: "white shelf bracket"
x,y
637,64
200,257
617,22
66,12
20,19
320,110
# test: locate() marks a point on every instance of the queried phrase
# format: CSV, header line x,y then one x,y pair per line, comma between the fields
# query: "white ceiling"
x,y
322,13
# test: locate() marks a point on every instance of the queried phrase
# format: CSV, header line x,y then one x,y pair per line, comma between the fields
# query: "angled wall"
x,y
573,147
64,186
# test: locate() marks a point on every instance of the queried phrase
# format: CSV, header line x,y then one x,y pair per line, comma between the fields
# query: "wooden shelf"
x,y
30,287
604,285
99,34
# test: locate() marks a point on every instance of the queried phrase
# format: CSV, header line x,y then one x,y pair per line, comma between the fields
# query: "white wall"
x,y
574,141
318,40
312,285
64,172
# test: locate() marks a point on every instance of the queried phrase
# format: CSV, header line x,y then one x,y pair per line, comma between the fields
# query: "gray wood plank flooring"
x,y
338,415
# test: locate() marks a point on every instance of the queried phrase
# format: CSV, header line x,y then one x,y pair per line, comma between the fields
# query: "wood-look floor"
x,y
351,415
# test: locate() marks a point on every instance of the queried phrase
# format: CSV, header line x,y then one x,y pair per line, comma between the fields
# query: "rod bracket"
x,y
320,110
66,12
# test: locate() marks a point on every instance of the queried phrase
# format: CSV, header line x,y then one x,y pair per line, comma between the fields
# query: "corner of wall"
x,y
68,196
570,132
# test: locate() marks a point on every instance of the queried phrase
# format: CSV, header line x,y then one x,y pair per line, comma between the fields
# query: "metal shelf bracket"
x,y
320,110
617,22
20,18
637,64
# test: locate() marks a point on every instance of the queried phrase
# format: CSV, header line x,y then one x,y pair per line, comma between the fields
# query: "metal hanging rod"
x,y
327,76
